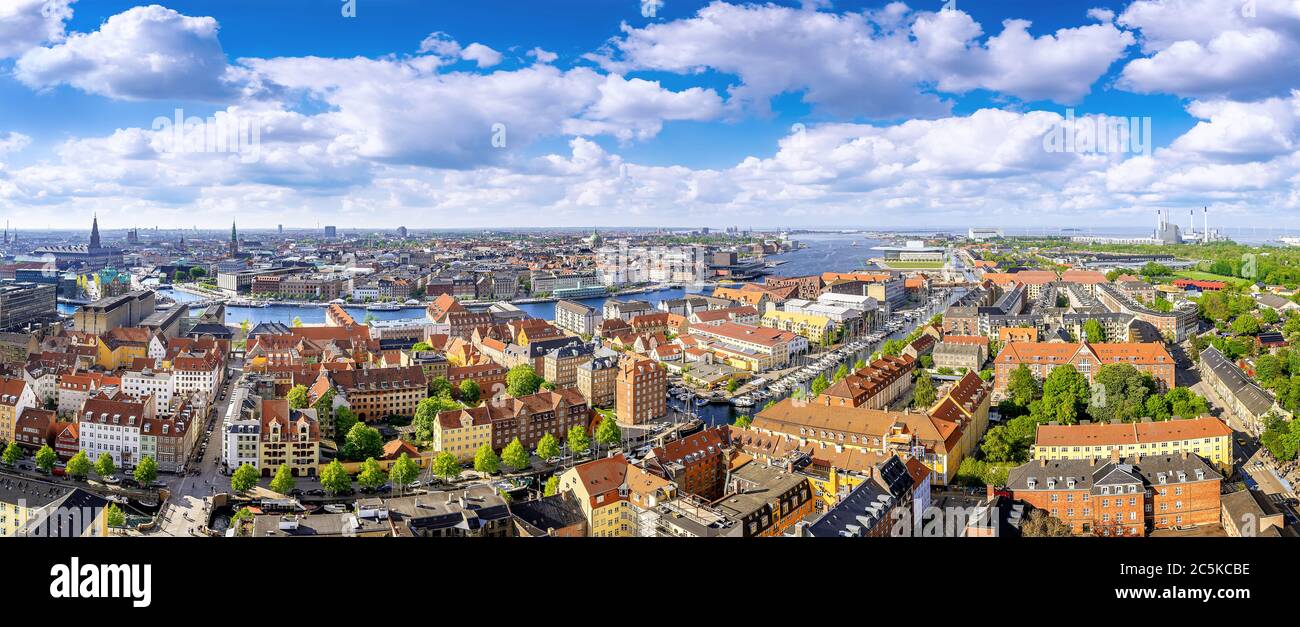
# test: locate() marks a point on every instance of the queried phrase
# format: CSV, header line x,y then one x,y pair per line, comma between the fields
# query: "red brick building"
x,y
696,463
1042,357
1130,498
640,390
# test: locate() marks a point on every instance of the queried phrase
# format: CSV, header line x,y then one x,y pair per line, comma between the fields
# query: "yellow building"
x,y
30,507
1206,436
121,346
462,432
816,328
602,490
288,436
15,396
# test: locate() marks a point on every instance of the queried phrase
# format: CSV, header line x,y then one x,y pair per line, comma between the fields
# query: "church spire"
x,y
94,233
234,240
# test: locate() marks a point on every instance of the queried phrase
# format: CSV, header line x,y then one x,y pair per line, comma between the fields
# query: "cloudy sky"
x,y
647,112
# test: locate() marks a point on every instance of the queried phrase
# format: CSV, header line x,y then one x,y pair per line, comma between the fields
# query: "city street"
x,y
1251,461
184,511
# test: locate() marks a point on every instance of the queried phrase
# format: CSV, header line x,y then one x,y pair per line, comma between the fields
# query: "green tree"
x,y
146,472
470,392
243,480
1022,387
115,516
335,479
1156,407
421,347
522,380
297,397
440,387
12,453
1065,396
1281,437
240,520
426,412
515,455
344,420
362,442
579,443
446,466
841,372
46,458
819,385
743,421
1246,324
283,481
486,460
79,465
608,433
371,475
104,466
924,394
548,447
552,486
403,472
296,322
1093,330
1126,390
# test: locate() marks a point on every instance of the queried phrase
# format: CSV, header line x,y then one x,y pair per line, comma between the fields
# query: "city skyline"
x,y
843,114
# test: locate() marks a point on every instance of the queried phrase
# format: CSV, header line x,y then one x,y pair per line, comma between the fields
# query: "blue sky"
x,y
817,113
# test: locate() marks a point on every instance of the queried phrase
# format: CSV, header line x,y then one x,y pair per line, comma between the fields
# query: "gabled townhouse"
x,y
75,388
35,428
197,372
289,437
15,396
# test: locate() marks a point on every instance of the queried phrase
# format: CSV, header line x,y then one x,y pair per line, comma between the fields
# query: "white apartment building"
x,y
150,382
44,383
241,431
576,317
110,423
157,348
196,372
365,292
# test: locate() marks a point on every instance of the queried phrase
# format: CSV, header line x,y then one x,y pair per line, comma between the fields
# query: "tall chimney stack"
x,y
1205,211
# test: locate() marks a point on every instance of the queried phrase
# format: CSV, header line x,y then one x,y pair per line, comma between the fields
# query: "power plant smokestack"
x,y
1205,236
